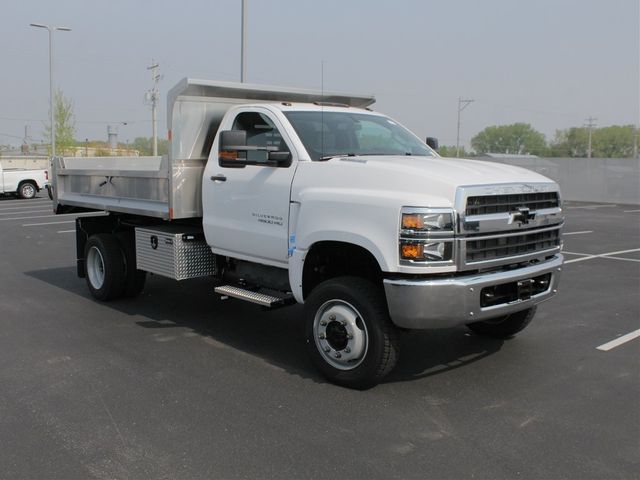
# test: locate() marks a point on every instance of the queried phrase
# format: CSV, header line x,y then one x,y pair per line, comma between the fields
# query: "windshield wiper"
x,y
334,155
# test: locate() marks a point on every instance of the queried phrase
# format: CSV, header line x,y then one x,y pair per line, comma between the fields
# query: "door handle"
x,y
219,178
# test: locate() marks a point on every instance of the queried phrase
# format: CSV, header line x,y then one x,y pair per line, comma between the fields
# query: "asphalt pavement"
x,y
180,384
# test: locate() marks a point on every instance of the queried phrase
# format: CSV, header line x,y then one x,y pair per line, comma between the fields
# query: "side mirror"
x,y
280,159
432,142
232,142
233,149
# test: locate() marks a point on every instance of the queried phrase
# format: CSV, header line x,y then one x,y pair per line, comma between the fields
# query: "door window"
x,y
261,132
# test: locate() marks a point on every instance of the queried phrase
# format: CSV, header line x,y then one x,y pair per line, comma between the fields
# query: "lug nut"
x,y
321,336
343,322
349,336
338,354
323,323
347,350
332,317
327,349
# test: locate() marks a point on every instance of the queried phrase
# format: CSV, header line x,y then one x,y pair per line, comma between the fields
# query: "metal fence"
x,y
607,180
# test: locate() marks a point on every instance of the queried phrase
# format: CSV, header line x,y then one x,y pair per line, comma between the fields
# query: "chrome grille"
x,y
487,204
488,249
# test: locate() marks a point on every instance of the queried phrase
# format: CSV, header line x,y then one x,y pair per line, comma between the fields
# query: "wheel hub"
x,y
340,334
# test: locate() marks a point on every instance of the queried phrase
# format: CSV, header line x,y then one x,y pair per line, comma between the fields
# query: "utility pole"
x,y
243,42
591,122
152,97
462,104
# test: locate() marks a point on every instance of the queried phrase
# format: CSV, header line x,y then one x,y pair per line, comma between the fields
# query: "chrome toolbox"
x,y
174,251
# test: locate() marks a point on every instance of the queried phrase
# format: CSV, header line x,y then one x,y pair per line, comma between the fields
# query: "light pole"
x,y
243,42
51,102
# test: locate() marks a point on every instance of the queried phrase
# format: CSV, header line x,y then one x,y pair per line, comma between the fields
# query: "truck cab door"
x,y
246,210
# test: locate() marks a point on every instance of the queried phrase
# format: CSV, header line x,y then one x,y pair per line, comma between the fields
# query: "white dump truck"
x,y
283,196
23,182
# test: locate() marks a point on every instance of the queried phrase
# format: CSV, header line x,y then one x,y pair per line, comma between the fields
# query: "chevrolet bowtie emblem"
x,y
522,216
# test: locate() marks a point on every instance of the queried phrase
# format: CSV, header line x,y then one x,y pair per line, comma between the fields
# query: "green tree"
x,y
615,141
65,124
144,145
450,151
517,138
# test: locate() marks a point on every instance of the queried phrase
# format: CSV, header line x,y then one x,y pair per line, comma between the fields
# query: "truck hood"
x,y
419,181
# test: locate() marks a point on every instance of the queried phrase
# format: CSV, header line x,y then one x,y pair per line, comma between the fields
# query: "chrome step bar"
x,y
251,296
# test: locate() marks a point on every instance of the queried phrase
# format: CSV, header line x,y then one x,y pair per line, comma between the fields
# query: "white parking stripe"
x,y
28,211
577,233
24,202
590,207
605,347
601,255
67,231
47,223
622,258
46,216
631,211
24,207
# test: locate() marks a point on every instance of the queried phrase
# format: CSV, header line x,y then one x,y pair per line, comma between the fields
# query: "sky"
x,y
550,63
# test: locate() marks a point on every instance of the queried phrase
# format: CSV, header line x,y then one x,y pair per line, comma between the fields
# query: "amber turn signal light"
x,y
412,221
412,251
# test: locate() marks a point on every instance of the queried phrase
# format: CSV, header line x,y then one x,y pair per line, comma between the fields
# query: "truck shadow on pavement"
x,y
275,336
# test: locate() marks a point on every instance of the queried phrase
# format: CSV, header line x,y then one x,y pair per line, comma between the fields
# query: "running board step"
x,y
251,296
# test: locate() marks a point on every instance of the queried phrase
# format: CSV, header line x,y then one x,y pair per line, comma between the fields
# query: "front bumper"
x,y
449,302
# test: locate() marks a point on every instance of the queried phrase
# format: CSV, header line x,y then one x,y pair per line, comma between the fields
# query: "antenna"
x,y
322,109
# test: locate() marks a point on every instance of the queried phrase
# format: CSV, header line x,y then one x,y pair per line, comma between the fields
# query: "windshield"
x,y
328,134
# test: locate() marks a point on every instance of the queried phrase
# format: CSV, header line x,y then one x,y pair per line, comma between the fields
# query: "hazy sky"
x,y
551,63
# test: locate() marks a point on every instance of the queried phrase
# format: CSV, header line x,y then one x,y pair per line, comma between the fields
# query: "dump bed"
x,y
170,187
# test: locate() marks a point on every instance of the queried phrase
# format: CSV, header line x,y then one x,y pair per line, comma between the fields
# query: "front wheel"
x,y
349,334
506,326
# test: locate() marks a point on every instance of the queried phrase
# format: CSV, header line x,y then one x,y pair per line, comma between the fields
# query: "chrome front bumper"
x,y
448,302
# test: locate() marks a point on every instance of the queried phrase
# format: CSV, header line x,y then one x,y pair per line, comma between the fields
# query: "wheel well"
x,y
32,182
327,260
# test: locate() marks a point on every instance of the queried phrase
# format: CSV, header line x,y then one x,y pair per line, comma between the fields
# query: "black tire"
x,y
104,267
504,327
351,308
27,190
134,278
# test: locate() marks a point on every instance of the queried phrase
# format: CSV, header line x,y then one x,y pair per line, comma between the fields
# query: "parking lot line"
x,y
578,233
47,223
23,207
46,216
589,207
27,212
586,256
605,347
67,231
631,211
24,202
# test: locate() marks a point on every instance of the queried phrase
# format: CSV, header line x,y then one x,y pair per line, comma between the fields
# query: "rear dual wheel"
x,y
110,267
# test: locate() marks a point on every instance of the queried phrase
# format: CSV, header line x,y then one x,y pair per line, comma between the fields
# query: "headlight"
x,y
426,235
437,221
